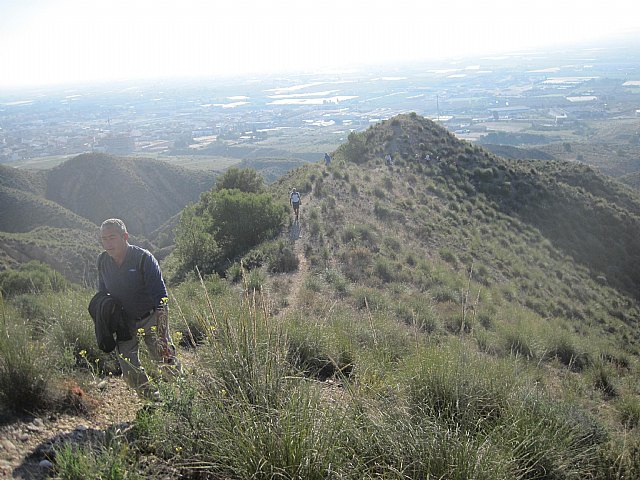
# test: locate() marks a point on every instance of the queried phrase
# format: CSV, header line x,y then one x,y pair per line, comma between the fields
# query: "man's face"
x,y
114,241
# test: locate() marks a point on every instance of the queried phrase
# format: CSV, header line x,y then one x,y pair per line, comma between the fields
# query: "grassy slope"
x,y
24,211
557,238
70,251
25,180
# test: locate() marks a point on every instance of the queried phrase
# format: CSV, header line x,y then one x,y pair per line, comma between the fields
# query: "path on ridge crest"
x,y
297,278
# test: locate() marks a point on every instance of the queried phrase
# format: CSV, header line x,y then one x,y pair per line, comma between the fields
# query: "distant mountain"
x,y
53,215
518,153
144,193
273,168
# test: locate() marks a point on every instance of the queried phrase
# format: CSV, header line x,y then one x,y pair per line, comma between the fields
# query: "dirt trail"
x,y
108,405
296,279
27,445
297,234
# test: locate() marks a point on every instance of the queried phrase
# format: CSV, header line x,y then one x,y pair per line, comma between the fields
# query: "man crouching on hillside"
x,y
132,276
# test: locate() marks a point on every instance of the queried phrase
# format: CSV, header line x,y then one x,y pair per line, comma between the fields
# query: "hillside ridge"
x,y
555,236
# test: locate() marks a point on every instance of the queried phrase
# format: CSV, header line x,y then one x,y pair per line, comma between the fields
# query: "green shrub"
x,y
355,149
255,258
315,228
411,259
282,259
419,313
319,188
490,400
34,308
225,224
390,444
549,440
384,270
32,277
449,256
603,380
210,432
255,280
313,354
71,330
356,263
565,350
313,283
368,298
362,234
383,212
246,180
445,293
337,281
234,272
191,311
519,342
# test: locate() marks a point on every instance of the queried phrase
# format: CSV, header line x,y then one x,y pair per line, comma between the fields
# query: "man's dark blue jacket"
x,y
109,319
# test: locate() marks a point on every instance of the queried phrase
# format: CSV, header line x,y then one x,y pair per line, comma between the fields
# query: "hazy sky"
x,y
62,41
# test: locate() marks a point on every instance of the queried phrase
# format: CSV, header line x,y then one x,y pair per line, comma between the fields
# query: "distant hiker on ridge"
x,y
388,160
327,159
294,200
132,276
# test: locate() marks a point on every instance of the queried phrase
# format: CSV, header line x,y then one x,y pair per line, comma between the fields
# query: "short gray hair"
x,y
115,223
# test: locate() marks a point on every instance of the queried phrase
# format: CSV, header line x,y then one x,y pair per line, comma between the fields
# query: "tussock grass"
x,y
246,413
457,386
108,457
497,401
26,373
400,403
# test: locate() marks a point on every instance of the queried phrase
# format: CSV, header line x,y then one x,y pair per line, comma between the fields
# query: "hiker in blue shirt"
x,y
327,159
132,276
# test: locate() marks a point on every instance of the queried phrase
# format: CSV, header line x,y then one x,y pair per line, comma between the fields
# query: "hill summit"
x,y
588,216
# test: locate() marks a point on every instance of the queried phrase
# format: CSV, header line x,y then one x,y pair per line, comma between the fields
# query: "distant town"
x,y
315,112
